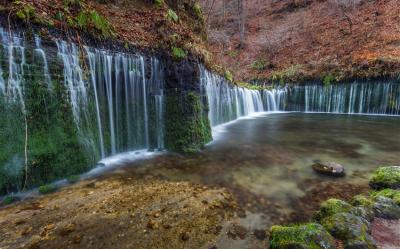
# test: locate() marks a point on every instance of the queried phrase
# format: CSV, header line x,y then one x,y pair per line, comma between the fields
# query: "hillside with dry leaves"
x,y
175,27
330,40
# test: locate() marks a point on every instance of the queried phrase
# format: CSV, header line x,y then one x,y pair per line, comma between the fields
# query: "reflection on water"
x,y
266,160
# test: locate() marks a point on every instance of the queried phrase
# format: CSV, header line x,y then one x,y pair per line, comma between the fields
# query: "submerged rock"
x,y
330,168
308,236
386,177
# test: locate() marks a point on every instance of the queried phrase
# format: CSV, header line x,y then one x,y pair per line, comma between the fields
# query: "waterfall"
x,y
351,98
76,105
123,98
228,102
274,99
13,60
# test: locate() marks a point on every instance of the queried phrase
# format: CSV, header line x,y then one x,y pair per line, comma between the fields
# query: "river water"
x,y
265,160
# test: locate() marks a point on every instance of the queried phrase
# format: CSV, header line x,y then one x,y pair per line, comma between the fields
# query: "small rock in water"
x,y
331,168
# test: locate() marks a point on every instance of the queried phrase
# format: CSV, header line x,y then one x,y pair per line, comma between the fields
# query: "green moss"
x,y
233,53
178,53
45,189
251,86
309,236
187,126
73,178
361,201
259,65
228,75
25,12
198,11
55,148
328,79
290,74
388,193
345,226
159,3
8,200
331,207
172,16
88,19
386,177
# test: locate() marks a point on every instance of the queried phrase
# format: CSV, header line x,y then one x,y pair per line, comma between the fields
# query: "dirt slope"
x,y
335,39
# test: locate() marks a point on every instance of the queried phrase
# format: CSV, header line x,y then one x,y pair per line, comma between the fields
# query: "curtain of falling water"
x,y
114,100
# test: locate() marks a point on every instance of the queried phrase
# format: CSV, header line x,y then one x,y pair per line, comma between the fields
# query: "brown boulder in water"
x,y
331,168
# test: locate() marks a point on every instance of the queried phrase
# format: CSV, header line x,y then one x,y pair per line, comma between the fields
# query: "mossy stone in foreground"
x,y
386,177
388,193
352,229
308,236
386,208
361,201
331,207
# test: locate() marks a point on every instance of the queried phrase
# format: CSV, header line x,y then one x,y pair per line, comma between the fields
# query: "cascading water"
x,y
274,99
227,102
363,98
78,106
124,101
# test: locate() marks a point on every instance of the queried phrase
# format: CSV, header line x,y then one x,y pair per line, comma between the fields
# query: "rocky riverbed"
x,y
120,211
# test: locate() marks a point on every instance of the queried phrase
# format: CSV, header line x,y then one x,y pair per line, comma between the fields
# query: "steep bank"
x,y
173,27
297,40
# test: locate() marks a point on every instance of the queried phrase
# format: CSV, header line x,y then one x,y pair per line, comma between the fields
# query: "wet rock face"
x,y
307,236
386,177
330,168
187,126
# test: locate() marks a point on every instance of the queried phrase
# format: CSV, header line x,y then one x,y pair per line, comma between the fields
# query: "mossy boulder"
x,y
331,207
388,193
308,236
352,229
386,208
364,212
386,177
362,201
